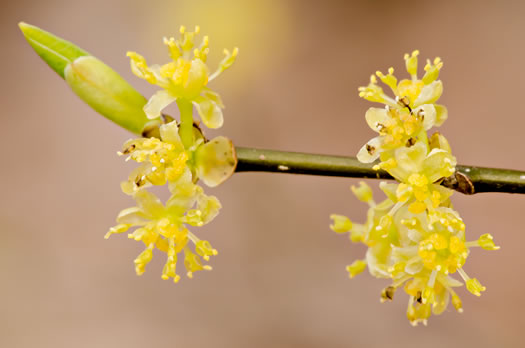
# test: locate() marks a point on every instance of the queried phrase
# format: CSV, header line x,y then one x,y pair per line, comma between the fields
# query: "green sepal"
x,y
56,52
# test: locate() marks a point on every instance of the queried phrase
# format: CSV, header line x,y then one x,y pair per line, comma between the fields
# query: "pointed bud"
x,y
56,52
93,81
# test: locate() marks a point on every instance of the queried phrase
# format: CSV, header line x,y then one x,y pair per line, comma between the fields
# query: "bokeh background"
x,y
280,279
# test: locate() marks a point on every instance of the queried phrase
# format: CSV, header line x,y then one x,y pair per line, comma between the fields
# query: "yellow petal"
x,y
370,151
430,93
441,114
209,111
377,118
157,103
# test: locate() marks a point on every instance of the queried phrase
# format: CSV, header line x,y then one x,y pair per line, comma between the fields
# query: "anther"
x,y
388,294
418,297
139,181
411,142
128,149
420,115
405,102
380,126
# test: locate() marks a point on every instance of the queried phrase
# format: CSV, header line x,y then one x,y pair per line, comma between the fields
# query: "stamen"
x,y
387,294
432,279
463,274
404,102
400,282
127,150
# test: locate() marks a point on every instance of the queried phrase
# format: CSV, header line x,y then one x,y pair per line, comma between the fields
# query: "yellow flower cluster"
x,y
414,236
179,156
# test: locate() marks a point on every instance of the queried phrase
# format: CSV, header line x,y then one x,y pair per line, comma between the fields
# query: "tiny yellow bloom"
x,y
164,160
397,128
184,78
406,117
164,226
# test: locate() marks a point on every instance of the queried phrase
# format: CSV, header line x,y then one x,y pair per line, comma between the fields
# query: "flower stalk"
x,y
186,122
466,179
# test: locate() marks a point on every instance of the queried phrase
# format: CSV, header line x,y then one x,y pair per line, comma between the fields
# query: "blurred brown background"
x,y
279,280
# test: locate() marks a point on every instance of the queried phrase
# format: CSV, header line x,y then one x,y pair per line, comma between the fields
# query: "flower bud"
x,y
56,52
107,92
93,81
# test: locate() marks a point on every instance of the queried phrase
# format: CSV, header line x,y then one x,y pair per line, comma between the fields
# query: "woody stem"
x,y
466,179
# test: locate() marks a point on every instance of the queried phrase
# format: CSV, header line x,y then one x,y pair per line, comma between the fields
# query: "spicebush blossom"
x,y
164,226
185,77
178,157
414,236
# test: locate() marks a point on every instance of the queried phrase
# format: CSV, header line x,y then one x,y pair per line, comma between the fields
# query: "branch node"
x,y
459,182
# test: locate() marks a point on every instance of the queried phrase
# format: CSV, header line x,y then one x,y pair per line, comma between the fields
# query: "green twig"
x,y
467,179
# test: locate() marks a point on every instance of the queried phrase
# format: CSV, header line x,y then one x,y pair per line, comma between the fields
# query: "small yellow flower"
x,y
406,117
164,160
164,226
184,78
397,128
409,93
419,170
161,160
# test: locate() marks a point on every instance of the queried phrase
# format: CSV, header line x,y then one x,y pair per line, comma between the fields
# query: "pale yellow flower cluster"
x,y
179,156
414,236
